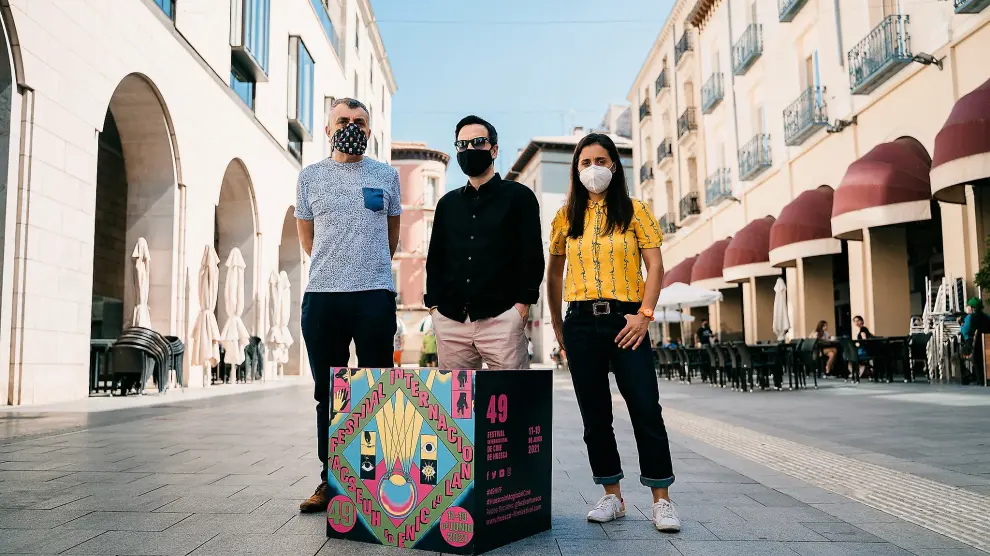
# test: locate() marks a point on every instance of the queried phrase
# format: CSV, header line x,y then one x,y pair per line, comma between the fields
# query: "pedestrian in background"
x,y
429,358
347,215
398,342
602,237
485,262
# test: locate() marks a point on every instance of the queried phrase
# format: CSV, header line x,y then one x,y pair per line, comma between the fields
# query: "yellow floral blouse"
x,y
605,267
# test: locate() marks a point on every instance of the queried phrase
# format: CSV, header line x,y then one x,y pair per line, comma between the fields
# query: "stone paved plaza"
x,y
224,476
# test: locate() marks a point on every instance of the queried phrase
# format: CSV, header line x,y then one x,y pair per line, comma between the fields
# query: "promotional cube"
x,y
448,461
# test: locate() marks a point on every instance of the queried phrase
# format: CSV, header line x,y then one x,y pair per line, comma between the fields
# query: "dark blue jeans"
x,y
329,322
591,353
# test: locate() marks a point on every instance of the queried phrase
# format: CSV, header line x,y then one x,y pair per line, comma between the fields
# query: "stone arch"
x,y
137,197
15,62
11,73
292,260
236,225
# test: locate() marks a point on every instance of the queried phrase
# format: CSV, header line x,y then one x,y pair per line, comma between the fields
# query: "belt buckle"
x,y
599,308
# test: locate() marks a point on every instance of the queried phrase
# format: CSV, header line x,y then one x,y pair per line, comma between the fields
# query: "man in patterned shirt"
x,y
347,214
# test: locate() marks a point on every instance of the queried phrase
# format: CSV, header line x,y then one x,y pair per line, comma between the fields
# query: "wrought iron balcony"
x,y
805,116
662,82
717,187
880,55
646,172
687,123
754,157
664,151
689,205
683,46
747,49
668,224
789,9
712,93
644,110
970,6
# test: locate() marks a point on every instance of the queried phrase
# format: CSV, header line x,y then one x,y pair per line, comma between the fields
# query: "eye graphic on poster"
x,y
428,460
369,455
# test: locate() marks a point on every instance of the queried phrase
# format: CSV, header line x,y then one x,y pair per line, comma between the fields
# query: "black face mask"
x,y
474,162
350,140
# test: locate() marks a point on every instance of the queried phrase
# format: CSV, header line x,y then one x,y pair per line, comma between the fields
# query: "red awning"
x,y
962,148
707,271
748,254
804,228
680,273
888,185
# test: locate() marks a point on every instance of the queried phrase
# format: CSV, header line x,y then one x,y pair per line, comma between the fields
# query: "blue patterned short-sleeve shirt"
x,y
349,204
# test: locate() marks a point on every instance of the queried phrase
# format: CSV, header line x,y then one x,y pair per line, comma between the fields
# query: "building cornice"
x,y
702,12
402,152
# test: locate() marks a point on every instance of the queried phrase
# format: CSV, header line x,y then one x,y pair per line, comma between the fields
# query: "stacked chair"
x,y
140,353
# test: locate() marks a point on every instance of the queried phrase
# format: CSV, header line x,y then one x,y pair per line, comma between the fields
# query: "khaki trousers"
x,y
500,342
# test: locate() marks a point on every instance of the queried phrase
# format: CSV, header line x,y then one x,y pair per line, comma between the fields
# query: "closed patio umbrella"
x,y
781,319
205,342
234,336
142,278
284,309
274,337
672,316
682,296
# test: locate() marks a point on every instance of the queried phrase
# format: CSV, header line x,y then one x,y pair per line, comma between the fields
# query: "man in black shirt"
x,y
485,263
704,334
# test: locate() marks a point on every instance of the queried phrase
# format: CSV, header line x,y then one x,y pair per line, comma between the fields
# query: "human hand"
x,y
338,401
523,310
633,333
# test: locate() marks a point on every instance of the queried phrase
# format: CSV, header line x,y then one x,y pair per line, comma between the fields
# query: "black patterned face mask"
x,y
350,140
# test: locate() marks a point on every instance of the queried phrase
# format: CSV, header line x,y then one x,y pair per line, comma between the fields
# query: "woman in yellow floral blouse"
x,y
602,238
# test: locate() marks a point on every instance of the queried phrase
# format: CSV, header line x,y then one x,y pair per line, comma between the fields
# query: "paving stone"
x,y
783,514
38,519
813,495
304,524
842,532
659,546
643,529
910,536
42,541
214,504
37,465
264,545
251,524
106,477
763,531
846,549
133,543
855,513
718,548
126,521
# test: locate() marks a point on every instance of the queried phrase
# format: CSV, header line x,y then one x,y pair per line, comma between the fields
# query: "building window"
x,y
357,33
395,281
301,76
357,80
327,109
430,191
376,148
295,145
242,83
167,6
249,35
429,232
323,14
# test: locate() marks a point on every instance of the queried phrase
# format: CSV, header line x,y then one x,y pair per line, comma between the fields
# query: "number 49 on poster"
x,y
498,409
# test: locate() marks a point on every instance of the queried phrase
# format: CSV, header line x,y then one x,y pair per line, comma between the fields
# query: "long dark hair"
x,y
820,329
618,205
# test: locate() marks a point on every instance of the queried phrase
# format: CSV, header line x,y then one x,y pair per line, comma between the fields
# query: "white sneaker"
x,y
665,518
607,509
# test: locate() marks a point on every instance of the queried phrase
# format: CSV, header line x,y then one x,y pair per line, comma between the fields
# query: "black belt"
x,y
603,307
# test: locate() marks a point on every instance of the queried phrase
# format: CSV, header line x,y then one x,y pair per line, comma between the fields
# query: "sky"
x,y
530,67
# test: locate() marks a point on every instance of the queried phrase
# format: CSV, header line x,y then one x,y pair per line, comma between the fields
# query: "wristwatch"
x,y
648,313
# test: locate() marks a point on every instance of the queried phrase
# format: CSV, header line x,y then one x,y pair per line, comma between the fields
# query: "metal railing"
x,y
970,6
644,110
712,93
689,205
662,81
668,224
687,122
664,150
683,46
881,54
804,116
747,49
754,156
788,9
646,171
717,187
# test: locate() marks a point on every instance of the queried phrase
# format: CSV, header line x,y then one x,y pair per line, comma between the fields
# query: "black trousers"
x,y
591,351
329,322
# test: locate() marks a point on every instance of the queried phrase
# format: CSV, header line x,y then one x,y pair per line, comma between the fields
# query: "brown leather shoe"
x,y
317,502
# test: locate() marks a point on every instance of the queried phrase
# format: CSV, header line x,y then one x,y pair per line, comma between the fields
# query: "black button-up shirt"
x,y
486,253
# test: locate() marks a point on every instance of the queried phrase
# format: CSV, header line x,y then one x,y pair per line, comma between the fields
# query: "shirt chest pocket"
x,y
374,198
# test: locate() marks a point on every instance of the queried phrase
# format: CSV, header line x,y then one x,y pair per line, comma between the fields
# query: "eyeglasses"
x,y
478,142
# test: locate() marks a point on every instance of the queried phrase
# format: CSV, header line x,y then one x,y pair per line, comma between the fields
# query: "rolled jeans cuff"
x,y
611,480
657,483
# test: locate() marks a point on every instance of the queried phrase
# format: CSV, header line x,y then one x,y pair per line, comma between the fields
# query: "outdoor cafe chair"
x,y
917,355
715,375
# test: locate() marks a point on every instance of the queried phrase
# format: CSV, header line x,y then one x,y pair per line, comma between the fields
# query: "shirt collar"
x,y
470,190
596,204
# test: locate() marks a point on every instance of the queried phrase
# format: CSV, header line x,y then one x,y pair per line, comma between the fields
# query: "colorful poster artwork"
x,y
402,453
